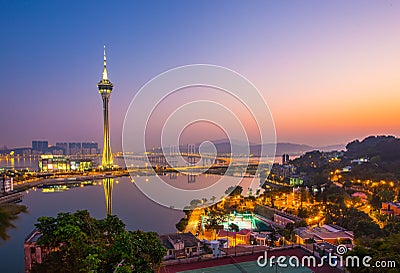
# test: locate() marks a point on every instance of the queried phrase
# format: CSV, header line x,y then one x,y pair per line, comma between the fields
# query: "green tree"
x,y
234,190
380,249
78,242
182,224
138,250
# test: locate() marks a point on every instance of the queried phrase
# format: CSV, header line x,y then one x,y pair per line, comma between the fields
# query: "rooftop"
x,y
324,232
33,237
224,233
393,204
188,239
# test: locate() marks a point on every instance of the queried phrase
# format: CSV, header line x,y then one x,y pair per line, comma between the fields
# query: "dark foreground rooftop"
x,y
240,263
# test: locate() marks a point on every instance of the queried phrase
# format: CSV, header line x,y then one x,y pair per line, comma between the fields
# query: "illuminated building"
x,y
282,218
6,185
235,238
81,165
53,163
391,208
61,163
328,233
296,180
105,89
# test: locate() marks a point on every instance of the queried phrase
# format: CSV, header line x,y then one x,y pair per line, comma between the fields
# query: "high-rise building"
x,y
41,146
105,88
75,148
90,148
63,146
78,148
285,159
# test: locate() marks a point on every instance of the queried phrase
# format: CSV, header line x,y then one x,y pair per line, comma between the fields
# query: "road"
x,y
194,219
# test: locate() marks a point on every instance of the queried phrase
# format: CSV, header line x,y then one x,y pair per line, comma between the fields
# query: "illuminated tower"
x,y
105,89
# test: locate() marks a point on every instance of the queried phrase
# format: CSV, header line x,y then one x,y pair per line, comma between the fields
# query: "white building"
x,y
7,184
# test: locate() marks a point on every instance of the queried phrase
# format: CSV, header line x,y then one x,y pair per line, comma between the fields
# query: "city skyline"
x,y
328,71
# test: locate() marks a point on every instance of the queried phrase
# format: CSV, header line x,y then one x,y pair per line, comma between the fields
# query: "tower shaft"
x,y
107,160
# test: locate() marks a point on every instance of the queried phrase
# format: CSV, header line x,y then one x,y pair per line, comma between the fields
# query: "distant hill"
x,y
334,147
224,147
380,148
283,148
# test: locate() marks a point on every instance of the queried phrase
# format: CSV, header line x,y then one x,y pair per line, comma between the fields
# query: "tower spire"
x,y
105,75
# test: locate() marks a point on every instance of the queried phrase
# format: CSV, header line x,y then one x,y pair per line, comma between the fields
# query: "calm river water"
x,y
135,209
128,203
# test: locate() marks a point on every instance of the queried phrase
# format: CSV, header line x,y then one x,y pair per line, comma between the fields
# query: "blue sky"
x,y
328,69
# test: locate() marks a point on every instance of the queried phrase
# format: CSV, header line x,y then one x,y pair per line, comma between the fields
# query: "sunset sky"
x,y
329,70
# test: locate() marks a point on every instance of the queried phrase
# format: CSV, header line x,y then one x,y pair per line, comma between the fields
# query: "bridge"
x,y
191,159
191,165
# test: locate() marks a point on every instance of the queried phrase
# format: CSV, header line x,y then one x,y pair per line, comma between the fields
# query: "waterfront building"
x,y
7,184
61,163
25,151
105,88
81,165
53,163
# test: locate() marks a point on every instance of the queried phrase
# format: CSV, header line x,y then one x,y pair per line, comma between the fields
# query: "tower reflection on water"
x,y
108,184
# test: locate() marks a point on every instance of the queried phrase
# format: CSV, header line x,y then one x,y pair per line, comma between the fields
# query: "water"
x,y
19,163
132,206
136,210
